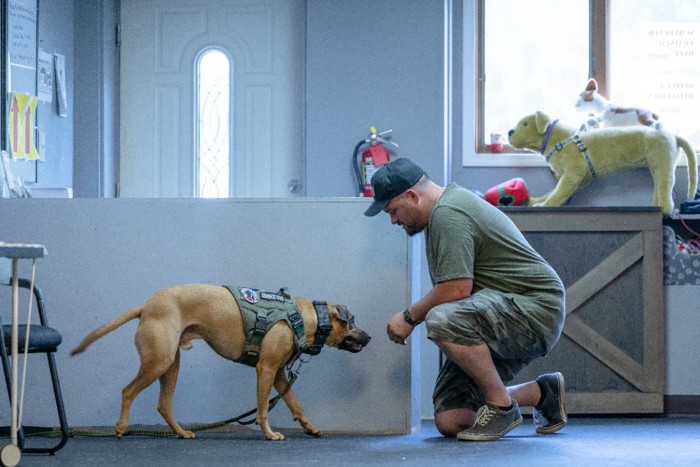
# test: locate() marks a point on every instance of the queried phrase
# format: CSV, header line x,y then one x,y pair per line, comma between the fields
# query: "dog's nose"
x,y
510,133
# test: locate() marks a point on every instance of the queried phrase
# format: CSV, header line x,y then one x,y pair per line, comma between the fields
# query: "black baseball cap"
x,y
392,179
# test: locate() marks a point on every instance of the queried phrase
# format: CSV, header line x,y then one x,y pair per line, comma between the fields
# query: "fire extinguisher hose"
x,y
356,166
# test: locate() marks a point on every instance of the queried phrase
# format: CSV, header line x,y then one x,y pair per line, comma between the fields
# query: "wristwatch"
x,y
408,319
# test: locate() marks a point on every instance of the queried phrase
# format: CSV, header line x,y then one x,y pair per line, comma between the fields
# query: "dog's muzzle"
x,y
355,340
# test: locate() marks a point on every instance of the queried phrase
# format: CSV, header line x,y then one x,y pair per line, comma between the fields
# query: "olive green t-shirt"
x,y
468,238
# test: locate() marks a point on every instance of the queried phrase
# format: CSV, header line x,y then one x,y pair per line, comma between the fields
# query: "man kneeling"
x,y
495,306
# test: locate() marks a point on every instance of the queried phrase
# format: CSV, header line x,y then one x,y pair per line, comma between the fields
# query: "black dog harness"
x,y
261,310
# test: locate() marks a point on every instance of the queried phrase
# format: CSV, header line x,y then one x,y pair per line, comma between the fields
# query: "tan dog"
x,y
172,317
602,152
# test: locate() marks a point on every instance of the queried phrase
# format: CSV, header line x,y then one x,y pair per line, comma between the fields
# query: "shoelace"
x,y
484,415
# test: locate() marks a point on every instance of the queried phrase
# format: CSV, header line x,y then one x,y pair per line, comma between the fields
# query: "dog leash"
x,y
292,375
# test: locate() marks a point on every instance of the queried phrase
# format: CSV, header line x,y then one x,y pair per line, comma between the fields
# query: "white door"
x,y
160,42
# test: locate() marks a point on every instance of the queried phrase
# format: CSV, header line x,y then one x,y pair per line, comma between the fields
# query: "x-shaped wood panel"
x,y
587,287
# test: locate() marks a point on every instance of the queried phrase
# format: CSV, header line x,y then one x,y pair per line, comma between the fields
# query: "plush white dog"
x,y
577,157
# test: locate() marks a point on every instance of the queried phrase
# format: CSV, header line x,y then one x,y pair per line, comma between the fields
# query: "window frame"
x,y
475,154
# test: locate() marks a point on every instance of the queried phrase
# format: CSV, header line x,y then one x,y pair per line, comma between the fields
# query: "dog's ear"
x,y
592,85
542,121
343,314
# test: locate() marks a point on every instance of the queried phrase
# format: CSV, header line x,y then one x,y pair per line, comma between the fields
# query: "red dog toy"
x,y
511,193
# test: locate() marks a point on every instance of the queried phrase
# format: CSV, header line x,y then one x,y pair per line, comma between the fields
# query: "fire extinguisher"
x,y
374,156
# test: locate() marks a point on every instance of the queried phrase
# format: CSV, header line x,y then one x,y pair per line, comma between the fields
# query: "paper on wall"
x,y
60,64
45,77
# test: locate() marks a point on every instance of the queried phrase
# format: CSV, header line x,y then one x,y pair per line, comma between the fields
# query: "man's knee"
x,y
451,422
436,319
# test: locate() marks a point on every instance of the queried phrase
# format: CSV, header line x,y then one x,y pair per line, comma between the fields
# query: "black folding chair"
x,y
42,339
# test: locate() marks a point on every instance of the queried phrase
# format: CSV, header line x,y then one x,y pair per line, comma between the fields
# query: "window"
x,y
213,134
655,61
538,55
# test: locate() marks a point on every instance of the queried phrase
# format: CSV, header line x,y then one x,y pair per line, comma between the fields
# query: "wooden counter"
x,y
612,350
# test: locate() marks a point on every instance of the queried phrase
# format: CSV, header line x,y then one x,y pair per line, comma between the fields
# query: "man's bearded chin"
x,y
413,229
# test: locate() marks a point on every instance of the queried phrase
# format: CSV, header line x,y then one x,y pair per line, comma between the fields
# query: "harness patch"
x,y
272,296
249,295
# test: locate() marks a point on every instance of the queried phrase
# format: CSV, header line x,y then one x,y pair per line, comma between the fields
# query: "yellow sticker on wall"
x,y
21,123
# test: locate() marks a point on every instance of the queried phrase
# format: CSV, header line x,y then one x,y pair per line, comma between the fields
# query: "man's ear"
x,y
412,195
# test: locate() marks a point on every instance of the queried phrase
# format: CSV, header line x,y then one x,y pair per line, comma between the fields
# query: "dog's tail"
x,y
107,328
692,165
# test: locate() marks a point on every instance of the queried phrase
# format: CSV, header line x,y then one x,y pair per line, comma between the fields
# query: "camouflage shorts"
x,y
488,317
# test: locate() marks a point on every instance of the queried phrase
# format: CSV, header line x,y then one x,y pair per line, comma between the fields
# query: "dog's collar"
x,y
547,134
322,330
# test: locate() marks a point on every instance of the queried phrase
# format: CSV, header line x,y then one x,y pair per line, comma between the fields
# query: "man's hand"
x,y
398,329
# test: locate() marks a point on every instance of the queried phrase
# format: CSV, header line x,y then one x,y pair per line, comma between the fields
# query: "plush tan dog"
x,y
577,157
172,317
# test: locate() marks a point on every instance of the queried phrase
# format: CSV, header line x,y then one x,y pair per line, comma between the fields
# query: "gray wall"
x,y
81,148
56,36
371,63
96,138
107,256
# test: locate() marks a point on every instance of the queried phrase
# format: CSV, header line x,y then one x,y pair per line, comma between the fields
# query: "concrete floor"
x,y
591,441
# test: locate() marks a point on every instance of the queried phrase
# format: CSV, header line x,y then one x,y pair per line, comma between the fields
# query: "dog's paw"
x,y
274,436
186,435
120,430
309,428
315,432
